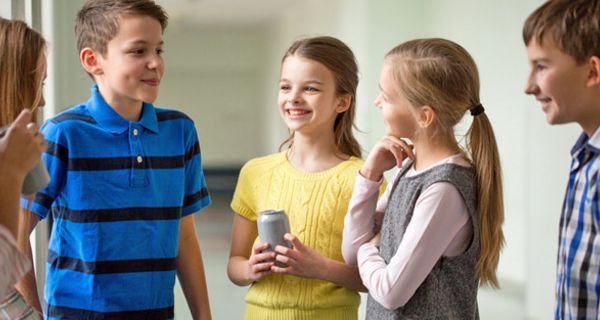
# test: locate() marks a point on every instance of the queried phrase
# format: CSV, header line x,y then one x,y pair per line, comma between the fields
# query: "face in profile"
x,y
557,82
397,111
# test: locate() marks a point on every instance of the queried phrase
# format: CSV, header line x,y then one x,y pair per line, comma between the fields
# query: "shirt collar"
x,y
584,142
110,120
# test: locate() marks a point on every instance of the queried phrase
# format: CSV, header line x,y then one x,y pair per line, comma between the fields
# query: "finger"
x,y
396,151
260,247
262,267
282,270
407,149
260,257
285,259
293,240
282,250
32,127
23,119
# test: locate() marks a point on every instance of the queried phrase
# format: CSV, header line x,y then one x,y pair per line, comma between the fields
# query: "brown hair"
x,y
23,67
98,20
339,59
441,74
573,26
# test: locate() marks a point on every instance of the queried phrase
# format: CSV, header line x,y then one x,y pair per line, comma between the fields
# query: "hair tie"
x,y
477,110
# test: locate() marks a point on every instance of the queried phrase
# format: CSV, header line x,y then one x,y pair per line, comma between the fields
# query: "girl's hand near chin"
x,y
389,151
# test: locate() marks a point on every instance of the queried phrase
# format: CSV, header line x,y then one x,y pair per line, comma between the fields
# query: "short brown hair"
x,y
573,25
340,60
98,20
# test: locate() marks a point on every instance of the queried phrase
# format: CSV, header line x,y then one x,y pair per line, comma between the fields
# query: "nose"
x,y
294,97
377,102
531,86
155,61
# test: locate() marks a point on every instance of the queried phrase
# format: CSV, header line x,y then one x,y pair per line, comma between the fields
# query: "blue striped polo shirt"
x,y
578,271
117,193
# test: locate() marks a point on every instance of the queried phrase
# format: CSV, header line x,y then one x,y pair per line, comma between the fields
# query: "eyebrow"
x,y
306,82
145,42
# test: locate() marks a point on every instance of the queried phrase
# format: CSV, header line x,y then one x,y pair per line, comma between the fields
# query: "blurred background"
x,y
222,69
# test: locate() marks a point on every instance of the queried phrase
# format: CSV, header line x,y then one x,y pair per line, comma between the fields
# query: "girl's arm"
x,y
247,264
190,270
440,226
362,212
305,262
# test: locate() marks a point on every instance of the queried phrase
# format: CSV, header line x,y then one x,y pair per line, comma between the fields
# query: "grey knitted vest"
x,y
450,289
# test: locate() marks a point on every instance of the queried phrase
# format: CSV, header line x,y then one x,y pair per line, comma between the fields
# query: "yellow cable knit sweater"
x,y
316,204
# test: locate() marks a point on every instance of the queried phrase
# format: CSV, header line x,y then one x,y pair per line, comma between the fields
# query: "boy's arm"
x,y
28,286
190,270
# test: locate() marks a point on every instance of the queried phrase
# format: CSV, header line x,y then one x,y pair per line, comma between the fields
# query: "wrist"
x,y
370,174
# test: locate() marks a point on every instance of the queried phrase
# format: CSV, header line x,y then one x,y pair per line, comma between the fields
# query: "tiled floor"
x,y
227,300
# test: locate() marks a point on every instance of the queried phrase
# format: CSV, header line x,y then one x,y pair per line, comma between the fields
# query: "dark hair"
x,y
573,25
98,20
339,59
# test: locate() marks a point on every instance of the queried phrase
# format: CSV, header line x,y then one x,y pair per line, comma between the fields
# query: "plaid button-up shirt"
x,y
578,273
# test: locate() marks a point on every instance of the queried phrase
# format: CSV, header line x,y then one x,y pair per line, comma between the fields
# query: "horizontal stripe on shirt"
x,y
43,200
73,116
120,163
72,313
193,198
120,214
104,267
171,115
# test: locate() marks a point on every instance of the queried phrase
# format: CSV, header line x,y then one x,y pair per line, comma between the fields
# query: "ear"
x,y
344,103
426,116
594,72
89,60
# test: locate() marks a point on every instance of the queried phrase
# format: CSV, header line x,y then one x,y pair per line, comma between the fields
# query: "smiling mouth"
x,y
297,112
151,82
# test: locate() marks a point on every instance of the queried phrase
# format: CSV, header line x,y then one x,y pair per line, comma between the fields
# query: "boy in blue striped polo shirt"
x,y
126,178
563,47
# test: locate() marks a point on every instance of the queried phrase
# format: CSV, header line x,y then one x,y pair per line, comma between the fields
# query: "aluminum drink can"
x,y
272,225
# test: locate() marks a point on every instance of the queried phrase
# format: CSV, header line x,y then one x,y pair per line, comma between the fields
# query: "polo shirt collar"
x,y
110,120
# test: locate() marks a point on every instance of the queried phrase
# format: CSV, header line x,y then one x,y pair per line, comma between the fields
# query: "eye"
x,y
311,89
284,87
539,67
138,52
160,51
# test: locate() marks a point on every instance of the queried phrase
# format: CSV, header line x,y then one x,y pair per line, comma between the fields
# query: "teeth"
x,y
297,112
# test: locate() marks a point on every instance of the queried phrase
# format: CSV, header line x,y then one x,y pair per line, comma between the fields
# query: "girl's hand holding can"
x,y
259,264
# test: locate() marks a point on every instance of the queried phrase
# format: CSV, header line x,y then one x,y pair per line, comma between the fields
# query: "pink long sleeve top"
x,y
13,264
439,227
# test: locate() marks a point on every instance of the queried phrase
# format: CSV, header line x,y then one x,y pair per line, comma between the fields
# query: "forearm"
x,y
359,220
343,275
190,270
9,201
28,286
237,271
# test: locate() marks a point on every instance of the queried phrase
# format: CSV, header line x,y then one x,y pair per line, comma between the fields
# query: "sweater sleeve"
x,y
13,264
439,227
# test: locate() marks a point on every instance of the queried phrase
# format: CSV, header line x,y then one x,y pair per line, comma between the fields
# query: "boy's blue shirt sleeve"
x,y
56,159
196,191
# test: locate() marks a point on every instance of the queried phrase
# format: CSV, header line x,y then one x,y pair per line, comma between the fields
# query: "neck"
x,y
429,151
129,109
314,154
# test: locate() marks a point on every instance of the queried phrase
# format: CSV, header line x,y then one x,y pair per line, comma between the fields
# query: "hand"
x,y
21,147
389,151
259,264
301,260
375,240
377,221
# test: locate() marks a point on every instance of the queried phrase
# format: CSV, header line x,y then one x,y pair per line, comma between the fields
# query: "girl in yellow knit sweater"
x,y
312,181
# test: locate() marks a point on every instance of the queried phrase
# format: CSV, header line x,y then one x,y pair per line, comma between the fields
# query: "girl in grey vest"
x,y
441,233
